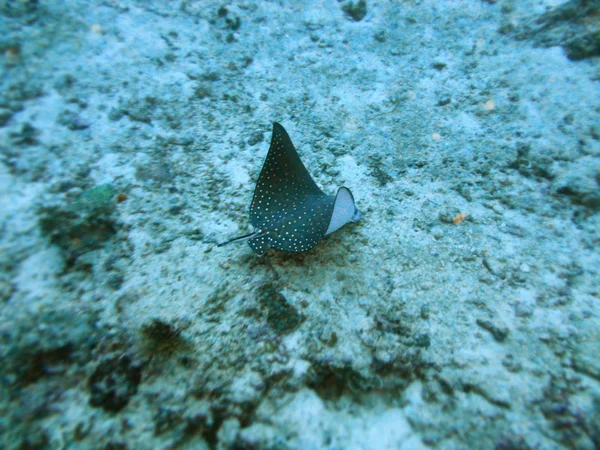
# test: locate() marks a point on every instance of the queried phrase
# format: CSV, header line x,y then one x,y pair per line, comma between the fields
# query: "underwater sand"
x,y
461,312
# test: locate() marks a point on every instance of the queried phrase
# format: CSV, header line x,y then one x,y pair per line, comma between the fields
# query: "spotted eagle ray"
x,y
288,211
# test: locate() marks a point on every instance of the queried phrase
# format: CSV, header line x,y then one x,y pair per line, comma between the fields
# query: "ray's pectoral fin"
x,y
247,237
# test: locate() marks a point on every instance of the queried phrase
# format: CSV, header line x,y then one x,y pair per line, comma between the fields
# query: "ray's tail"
x,y
246,237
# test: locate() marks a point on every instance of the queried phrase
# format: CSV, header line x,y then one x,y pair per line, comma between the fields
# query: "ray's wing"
x,y
282,184
304,226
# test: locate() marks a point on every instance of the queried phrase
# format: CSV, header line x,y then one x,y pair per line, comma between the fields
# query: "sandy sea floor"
x,y
461,312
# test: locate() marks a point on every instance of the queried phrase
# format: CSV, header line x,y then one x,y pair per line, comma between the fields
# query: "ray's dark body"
x,y
287,202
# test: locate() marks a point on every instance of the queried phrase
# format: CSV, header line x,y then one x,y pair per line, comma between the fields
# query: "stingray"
x,y
288,211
